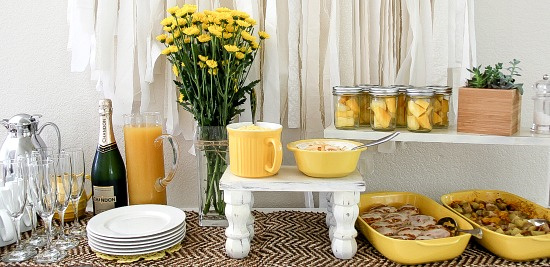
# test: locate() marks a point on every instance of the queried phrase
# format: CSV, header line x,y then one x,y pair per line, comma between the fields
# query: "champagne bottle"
x,y
108,171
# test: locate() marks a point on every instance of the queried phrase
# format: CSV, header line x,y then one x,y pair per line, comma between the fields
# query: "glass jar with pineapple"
x,y
419,109
383,107
401,120
346,107
364,105
442,104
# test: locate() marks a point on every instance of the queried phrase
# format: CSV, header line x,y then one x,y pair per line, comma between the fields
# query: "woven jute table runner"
x,y
285,238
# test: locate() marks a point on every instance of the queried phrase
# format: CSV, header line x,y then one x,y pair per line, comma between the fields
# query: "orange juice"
x,y
144,164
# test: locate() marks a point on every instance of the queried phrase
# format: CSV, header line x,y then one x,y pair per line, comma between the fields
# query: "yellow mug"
x,y
255,151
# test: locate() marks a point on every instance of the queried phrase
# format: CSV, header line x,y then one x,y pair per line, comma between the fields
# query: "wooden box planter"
x,y
488,111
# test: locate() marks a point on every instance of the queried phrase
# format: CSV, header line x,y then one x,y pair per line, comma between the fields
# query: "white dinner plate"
x,y
136,221
123,245
135,251
144,239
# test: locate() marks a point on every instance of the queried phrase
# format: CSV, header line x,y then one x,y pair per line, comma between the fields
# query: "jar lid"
x,y
402,88
420,91
383,91
366,87
338,90
542,86
441,89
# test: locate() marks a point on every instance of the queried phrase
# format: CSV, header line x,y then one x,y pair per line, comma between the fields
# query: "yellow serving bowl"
x,y
514,248
412,251
326,164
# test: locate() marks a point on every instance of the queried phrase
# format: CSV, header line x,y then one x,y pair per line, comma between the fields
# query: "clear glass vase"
x,y
211,148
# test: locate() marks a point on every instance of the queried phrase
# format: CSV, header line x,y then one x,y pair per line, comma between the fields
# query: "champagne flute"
x,y
78,170
62,168
35,240
13,193
43,184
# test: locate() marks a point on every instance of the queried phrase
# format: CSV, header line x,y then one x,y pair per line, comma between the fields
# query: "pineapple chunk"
x,y
415,109
378,103
390,104
437,105
423,103
353,105
445,105
342,107
436,118
412,123
424,121
343,99
350,113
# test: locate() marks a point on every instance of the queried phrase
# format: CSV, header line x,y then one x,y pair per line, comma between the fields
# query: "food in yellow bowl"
x,y
315,160
516,248
412,251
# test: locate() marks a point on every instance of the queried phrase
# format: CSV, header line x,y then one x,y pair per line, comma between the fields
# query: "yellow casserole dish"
x,y
412,251
516,248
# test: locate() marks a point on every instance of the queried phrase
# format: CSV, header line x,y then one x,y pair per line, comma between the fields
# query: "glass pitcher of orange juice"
x,y
143,140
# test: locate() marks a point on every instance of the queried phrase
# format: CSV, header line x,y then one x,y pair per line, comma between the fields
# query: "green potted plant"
x,y
490,102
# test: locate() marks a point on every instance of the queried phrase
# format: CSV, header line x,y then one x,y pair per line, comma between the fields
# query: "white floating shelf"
x,y
523,137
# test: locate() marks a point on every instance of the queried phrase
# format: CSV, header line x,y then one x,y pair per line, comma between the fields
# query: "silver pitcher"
x,y
24,136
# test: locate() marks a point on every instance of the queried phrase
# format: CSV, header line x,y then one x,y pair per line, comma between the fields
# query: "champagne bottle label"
x,y
106,148
104,198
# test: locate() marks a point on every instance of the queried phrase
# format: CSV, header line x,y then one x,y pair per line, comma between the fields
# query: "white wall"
x,y
35,78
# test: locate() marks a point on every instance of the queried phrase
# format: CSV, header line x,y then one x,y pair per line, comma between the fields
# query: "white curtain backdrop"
x,y
314,46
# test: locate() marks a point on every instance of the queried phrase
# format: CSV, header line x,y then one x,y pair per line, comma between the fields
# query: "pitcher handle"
x,y
56,130
161,183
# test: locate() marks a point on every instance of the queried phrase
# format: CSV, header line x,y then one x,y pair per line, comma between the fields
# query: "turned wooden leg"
x,y
237,211
330,218
345,212
250,221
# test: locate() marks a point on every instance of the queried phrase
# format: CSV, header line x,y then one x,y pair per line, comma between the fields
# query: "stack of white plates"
x,y
136,230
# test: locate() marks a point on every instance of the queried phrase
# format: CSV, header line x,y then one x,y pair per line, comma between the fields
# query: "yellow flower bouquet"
x,y
211,54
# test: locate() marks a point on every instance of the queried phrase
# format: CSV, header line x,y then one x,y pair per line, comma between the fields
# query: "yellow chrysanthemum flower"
x,y
203,58
161,38
211,63
223,18
208,12
226,35
231,48
239,55
230,28
187,40
251,21
223,9
172,10
176,33
202,65
216,30
198,18
170,40
254,45
173,48
263,35
167,21
167,28
204,38
182,21
166,51
213,71
240,14
175,70
242,23
185,10
247,36
192,31
180,98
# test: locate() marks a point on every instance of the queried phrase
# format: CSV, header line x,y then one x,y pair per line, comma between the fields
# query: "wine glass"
x,y
43,184
62,168
78,170
36,240
13,193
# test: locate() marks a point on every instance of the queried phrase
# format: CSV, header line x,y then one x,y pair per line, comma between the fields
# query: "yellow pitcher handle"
x,y
162,182
277,156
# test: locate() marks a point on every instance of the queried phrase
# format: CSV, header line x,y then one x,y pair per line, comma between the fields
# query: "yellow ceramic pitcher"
x,y
255,151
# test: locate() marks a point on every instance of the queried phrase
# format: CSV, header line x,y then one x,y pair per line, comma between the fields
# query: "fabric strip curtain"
x,y
314,46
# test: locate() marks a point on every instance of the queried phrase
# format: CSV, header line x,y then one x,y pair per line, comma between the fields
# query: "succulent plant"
x,y
492,77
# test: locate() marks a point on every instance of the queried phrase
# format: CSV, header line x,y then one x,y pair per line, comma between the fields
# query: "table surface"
x,y
290,178
283,238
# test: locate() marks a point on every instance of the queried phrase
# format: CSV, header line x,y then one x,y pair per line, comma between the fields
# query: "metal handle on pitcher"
x,y
56,130
162,182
